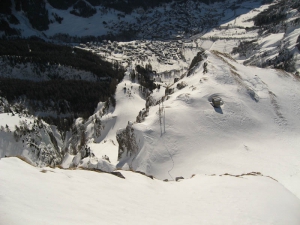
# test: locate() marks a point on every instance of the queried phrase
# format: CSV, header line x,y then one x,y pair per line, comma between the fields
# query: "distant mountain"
x,y
115,20
277,43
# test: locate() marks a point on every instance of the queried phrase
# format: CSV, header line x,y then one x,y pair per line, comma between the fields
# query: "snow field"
x,y
58,196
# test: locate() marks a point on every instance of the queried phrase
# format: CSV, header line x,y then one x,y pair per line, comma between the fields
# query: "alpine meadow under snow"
x,y
165,152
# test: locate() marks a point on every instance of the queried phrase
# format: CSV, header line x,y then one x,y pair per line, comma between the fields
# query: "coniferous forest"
x,y
65,98
44,53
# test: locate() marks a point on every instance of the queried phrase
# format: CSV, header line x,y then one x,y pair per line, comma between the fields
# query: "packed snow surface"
x,y
35,196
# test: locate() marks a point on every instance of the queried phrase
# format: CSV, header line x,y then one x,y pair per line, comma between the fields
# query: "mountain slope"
x,y
55,196
266,36
129,101
234,164
255,130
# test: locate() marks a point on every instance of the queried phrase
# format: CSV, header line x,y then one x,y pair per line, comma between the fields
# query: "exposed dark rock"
x,y
178,178
140,172
181,85
198,58
118,174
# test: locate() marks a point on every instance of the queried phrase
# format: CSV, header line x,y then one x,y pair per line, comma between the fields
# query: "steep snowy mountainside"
x,y
33,140
266,36
169,20
255,130
244,31
73,196
99,130
57,84
129,101
30,138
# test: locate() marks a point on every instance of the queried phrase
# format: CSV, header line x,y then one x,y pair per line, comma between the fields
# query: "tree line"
x,y
144,76
123,6
45,53
63,96
275,13
65,99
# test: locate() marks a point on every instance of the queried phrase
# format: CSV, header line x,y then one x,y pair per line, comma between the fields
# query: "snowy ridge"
x,y
68,196
255,130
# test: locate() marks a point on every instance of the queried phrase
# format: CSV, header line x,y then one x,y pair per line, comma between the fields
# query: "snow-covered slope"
x,y
257,128
31,138
129,101
32,195
271,44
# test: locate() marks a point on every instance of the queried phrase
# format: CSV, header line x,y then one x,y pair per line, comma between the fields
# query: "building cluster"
x,y
140,51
